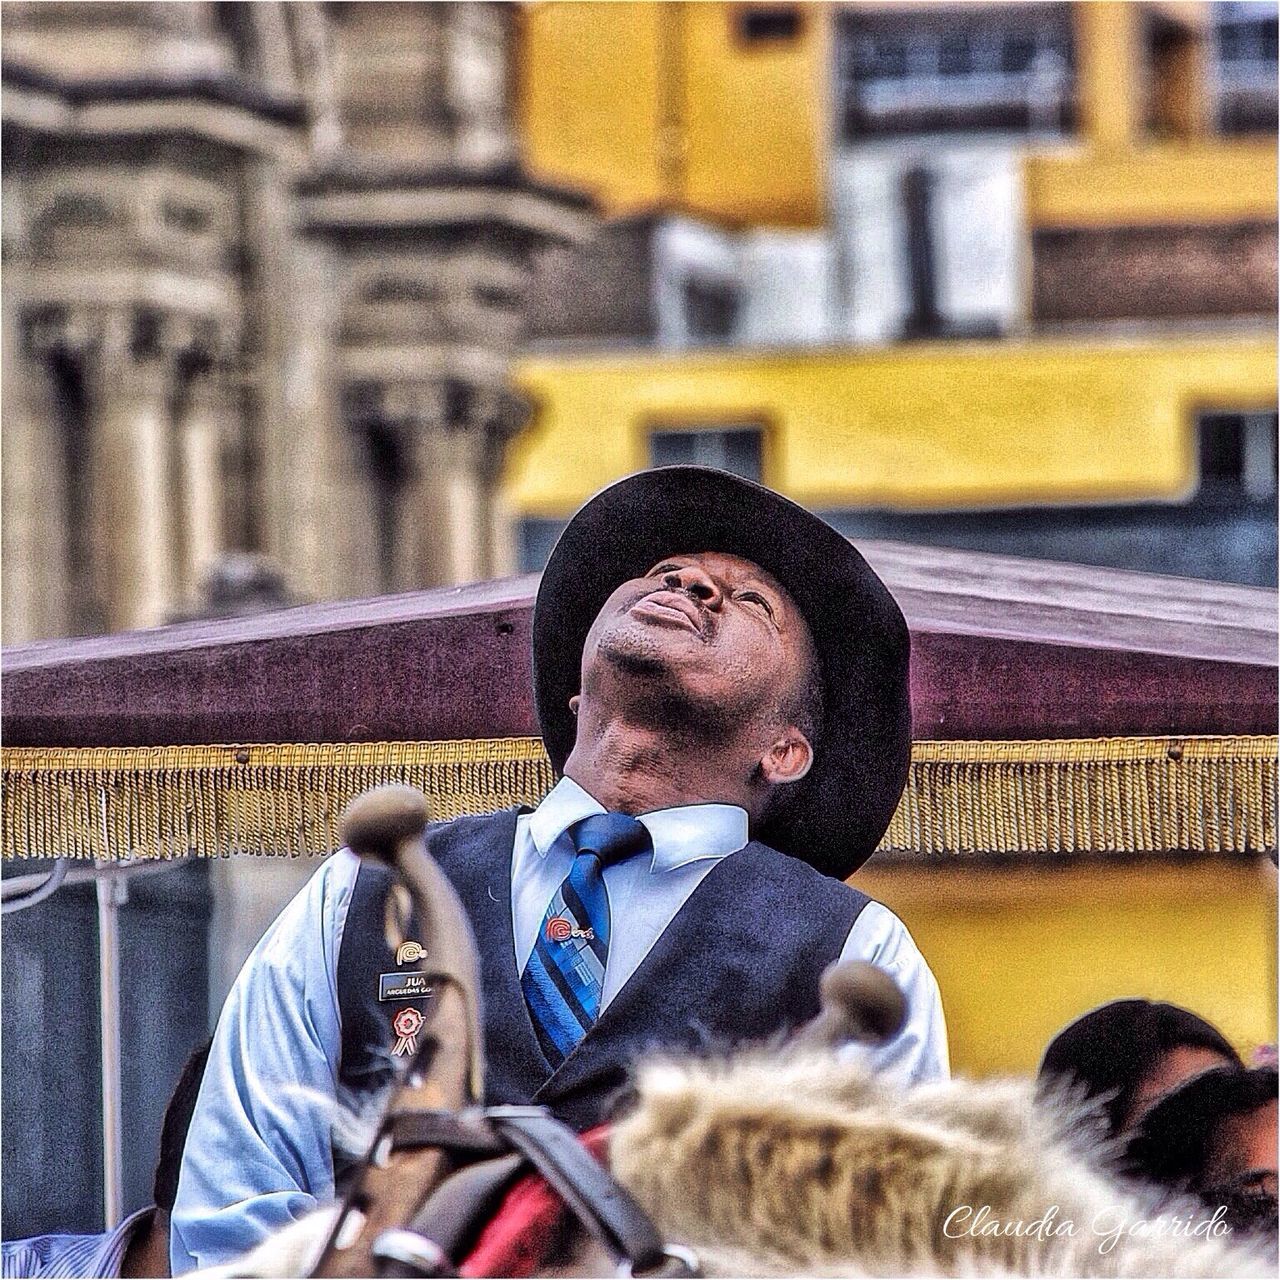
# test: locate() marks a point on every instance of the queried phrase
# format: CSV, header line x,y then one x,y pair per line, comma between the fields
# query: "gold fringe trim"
x,y
1089,796
1060,796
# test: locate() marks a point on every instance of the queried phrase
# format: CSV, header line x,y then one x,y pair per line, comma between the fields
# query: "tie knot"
x,y
610,836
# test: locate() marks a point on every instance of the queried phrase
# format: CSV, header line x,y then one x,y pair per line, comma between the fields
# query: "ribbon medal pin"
x,y
406,1024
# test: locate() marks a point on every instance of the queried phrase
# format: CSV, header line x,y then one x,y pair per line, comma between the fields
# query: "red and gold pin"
x,y
561,929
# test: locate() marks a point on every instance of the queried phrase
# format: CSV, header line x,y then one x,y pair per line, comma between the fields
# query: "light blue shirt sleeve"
x,y
918,1052
258,1153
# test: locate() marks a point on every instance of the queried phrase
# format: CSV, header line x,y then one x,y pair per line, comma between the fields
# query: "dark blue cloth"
x,y
739,963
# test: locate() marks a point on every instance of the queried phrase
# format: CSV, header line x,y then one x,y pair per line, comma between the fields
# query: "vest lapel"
x,y
480,870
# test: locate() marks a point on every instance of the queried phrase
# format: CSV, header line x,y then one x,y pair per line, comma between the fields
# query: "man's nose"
x,y
697,582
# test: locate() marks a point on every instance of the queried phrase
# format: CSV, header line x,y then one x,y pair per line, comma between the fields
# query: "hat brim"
x,y
841,809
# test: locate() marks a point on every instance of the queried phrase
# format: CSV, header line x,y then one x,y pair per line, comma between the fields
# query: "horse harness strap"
x,y
462,1133
494,1149
455,1213
586,1186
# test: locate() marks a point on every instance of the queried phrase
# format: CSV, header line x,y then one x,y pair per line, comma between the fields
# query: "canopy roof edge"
x,y
1003,648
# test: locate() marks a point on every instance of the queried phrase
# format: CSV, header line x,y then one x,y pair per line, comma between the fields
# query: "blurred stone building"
x,y
264,268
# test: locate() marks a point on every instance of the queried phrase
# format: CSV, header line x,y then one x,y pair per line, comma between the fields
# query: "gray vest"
x,y
740,962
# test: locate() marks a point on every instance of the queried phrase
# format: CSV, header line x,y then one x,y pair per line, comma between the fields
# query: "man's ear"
x,y
789,758
573,703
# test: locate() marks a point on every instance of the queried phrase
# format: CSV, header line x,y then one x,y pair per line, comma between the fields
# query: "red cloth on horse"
x,y
529,1223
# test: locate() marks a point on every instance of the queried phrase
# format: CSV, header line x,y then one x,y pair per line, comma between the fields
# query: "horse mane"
x,y
777,1163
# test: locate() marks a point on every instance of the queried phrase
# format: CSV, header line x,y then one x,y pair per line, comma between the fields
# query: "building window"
x,y
710,308
760,23
1245,66
1237,457
953,72
537,538
732,448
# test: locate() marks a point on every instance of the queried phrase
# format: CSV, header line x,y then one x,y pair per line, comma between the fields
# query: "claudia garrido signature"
x,y
1109,1226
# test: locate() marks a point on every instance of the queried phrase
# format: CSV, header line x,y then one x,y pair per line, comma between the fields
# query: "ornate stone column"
x,y
496,414
61,344
33,535
201,431
131,364
432,226
504,555
384,425
433,452
449,507
450,438
130,373
154,207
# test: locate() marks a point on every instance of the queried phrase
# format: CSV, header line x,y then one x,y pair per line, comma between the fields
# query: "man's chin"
x,y
638,650
661,677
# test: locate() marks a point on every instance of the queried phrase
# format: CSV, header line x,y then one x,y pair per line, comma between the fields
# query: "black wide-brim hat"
x,y
835,818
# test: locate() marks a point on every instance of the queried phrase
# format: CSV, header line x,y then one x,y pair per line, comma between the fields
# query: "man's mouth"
x,y
670,608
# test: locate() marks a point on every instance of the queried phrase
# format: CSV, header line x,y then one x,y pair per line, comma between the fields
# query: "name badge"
x,y
403,986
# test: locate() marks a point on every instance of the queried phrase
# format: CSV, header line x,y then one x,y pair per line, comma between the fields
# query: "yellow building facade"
x,y
678,105
672,106
1207,182
910,427
704,107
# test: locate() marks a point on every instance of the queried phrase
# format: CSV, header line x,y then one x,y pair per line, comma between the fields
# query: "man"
x,y
1214,1138
721,681
139,1246
1126,1055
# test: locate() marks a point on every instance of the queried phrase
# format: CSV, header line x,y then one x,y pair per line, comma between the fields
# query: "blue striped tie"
x,y
564,978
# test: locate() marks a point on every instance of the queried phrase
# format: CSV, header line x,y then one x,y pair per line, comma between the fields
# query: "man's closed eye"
x,y
756,598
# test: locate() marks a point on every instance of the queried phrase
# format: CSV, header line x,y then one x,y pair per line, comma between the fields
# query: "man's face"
x,y
711,637
1245,1151
1175,1067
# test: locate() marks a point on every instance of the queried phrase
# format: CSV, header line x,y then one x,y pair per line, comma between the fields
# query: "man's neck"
x,y
147,1254
629,769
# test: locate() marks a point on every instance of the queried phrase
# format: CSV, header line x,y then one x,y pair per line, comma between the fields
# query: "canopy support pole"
x,y
112,891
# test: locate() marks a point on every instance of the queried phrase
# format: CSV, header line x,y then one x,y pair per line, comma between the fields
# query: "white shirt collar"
x,y
681,835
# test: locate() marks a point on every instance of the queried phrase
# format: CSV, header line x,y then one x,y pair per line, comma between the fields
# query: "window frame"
x,y
719,423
